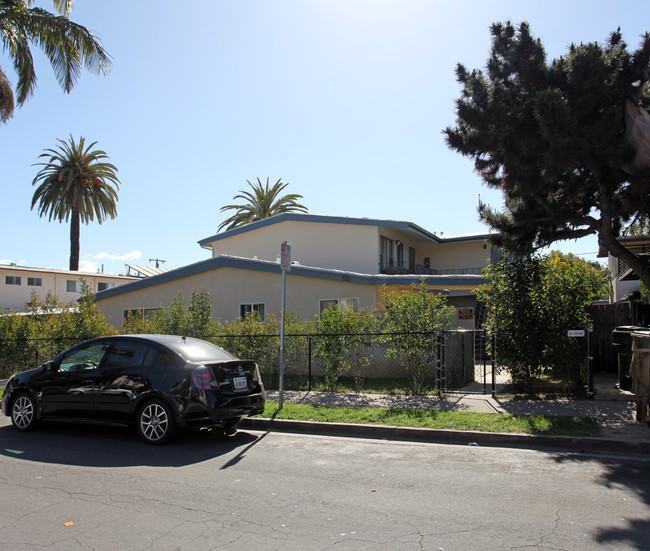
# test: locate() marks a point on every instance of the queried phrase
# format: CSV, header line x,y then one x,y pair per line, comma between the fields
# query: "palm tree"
x,y
67,46
263,202
76,183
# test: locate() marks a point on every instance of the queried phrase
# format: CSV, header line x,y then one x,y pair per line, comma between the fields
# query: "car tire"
x,y
24,412
230,429
155,422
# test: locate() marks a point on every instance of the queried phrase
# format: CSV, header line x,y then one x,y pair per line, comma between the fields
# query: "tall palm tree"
x,y
76,183
67,45
263,202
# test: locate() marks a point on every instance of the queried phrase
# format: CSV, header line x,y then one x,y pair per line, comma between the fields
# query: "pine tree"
x,y
553,137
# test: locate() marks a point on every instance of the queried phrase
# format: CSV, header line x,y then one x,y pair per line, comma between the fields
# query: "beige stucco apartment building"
x,y
335,260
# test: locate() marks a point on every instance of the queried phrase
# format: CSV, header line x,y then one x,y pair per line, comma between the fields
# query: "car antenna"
x,y
183,337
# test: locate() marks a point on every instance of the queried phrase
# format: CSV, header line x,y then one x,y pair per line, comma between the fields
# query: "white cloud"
x,y
133,255
88,266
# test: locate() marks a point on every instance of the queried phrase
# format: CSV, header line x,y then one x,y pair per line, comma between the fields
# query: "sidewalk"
x,y
613,408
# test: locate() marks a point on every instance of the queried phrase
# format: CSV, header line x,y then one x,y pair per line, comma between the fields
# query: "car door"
x,y
122,376
68,389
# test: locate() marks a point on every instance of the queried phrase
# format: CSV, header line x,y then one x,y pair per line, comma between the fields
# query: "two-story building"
x,y
335,260
18,282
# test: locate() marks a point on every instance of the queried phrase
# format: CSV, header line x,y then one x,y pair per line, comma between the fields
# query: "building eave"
x,y
458,281
325,219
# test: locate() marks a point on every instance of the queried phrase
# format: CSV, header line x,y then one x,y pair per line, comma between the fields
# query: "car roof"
x,y
178,344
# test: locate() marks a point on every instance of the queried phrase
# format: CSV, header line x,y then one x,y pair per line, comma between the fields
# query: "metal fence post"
x,y
484,339
309,362
492,358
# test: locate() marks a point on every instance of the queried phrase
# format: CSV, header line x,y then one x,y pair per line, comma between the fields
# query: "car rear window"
x,y
200,351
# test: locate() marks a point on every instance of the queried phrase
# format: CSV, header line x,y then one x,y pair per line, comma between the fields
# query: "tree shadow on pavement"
x,y
622,473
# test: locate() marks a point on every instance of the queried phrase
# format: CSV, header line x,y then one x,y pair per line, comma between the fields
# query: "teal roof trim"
x,y
318,218
225,261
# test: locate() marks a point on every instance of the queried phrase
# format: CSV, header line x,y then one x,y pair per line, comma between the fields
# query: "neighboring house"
x,y
625,283
18,282
335,260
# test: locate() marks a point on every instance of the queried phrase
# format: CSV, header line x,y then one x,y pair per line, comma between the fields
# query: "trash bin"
x,y
640,373
622,342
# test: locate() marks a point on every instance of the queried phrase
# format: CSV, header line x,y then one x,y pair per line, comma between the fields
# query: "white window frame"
x,y
12,280
107,284
145,313
340,302
252,307
76,283
35,282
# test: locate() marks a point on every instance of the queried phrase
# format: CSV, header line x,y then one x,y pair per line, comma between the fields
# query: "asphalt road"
x,y
82,488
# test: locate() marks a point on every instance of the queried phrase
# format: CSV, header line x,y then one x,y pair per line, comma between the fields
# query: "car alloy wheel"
x,y
155,422
23,412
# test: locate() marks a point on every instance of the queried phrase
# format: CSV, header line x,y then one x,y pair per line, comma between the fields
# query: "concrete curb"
x,y
567,444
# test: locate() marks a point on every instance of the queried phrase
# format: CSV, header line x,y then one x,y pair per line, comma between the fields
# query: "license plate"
x,y
239,383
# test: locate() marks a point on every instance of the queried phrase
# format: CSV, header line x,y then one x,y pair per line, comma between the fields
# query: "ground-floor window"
x,y
144,313
12,280
103,285
346,303
258,310
34,282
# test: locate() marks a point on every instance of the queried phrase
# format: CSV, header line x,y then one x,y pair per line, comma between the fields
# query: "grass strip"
x,y
433,419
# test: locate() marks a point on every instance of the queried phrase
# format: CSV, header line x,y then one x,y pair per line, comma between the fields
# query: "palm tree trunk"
x,y
74,240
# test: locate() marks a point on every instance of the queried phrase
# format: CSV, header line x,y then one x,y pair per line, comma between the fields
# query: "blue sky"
x,y
344,99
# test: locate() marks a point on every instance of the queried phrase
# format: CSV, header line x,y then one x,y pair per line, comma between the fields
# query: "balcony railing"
x,y
409,268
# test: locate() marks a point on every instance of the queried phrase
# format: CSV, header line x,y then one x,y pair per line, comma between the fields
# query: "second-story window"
x,y
386,259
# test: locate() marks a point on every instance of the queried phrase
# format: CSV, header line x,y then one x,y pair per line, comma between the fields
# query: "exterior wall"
x,y
230,287
458,257
16,297
354,245
345,247
464,302
620,289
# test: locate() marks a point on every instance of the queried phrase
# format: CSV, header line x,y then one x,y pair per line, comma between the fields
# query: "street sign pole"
x,y
285,265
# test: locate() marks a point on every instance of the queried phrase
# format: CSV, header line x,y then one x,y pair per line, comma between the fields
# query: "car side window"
x,y
126,354
83,359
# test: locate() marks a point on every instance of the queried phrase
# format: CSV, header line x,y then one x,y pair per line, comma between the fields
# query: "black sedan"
x,y
160,383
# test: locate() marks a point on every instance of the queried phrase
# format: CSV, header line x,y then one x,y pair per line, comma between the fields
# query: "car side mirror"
x,y
49,366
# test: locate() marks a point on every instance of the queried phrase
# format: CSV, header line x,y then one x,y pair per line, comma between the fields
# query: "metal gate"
x,y
466,363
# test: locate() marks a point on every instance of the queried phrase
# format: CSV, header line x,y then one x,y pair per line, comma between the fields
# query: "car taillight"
x,y
255,373
202,378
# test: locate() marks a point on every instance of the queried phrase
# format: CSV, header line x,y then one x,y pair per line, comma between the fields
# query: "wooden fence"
x,y
606,318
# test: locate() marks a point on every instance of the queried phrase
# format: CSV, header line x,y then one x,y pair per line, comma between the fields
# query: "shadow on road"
x,y
101,446
617,475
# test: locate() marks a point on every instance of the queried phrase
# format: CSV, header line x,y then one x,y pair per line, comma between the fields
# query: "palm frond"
x,y
262,202
67,45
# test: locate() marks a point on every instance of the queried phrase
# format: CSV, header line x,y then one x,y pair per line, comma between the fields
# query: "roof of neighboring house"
x,y
145,271
55,271
323,219
228,261
629,242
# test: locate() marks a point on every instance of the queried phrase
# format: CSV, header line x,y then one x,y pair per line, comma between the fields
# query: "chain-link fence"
x,y
419,362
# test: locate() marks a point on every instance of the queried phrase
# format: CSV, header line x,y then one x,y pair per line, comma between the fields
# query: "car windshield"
x,y
199,351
